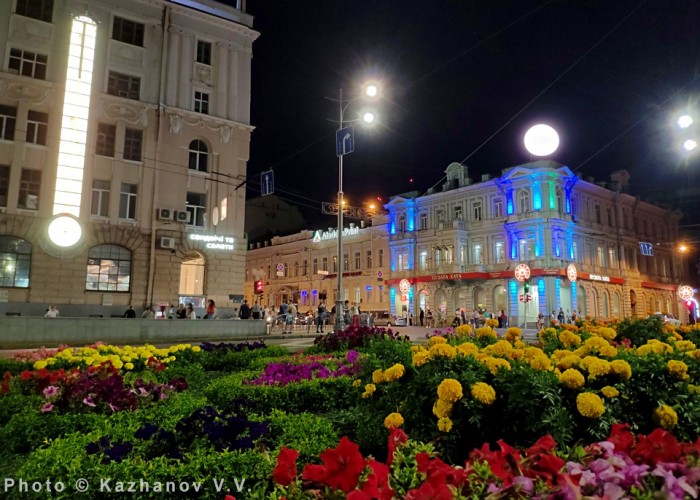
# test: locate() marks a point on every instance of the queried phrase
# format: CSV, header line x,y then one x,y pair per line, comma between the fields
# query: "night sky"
x,y
456,73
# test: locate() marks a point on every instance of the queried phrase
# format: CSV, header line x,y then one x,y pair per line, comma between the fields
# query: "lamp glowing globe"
x,y
541,140
65,230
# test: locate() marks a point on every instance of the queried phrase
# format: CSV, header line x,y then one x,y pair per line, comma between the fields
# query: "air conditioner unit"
x,y
183,217
168,243
165,214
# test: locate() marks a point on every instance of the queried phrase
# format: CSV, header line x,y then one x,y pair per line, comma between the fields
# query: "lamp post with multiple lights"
x,y
344,144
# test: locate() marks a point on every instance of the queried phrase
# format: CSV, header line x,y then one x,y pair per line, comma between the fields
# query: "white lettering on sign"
x,y
598,277
214,241
333,234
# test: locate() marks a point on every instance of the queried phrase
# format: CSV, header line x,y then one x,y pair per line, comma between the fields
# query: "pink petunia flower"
x,y
46,408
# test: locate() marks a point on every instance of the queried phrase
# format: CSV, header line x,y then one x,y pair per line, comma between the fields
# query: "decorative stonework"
x,y
133,114
37,95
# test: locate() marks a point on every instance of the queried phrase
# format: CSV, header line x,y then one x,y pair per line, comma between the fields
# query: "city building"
x,y
124,140
268,216
303,268
585,247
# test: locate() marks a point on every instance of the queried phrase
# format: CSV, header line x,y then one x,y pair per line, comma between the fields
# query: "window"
x,y
598,218
499,252
106,137
369,259
108,269
8,118
28,63
122,85
335,263
203,52
16,262
201,102
497,208
305,267
423,221
199,156
37,127
196,206
402,224
314,266
4,184
100,198
346,262
358,263
132,144
458,212
611,257
29,188
36,9
610,217
477,254
477,211
127,201
324,264
423,260
124,30
524,201
601,256
560,201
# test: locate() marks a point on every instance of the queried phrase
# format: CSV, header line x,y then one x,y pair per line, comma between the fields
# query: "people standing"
x,y
52,312
321,317
429,318
256,310
291,316
244,311
148,313
355,314
129,313
190,312
211,310
171,312
421,316
504,319
181,312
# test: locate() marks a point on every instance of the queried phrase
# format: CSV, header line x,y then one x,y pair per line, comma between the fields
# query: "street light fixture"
x,y
370,91
685,121
690,145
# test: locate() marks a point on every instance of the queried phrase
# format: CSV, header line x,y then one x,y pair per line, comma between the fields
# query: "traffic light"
x,y
526,286
258,287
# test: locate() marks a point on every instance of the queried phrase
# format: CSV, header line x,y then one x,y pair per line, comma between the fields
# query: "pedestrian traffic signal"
x,y
259,287
526,286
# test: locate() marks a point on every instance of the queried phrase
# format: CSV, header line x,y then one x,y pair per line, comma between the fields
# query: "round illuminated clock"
x,y
522,272
685,292
571,272
404,286
65,231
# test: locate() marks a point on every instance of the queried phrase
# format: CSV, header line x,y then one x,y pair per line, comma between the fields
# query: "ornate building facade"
x,y
129,123
580,241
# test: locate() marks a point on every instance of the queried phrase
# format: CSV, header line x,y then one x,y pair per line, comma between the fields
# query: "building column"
x,y
184,99
172,75
222,74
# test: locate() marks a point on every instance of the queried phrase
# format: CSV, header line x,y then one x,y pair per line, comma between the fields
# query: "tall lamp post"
x,y
345,145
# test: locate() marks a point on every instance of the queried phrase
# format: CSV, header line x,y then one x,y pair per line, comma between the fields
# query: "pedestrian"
x,y
171,312
291,317
540,321
129,313
560,316
421,316
355,314
504,319
181,312
429,319
320,317
190,312
256,310
211,310
148,313
52,312
244,311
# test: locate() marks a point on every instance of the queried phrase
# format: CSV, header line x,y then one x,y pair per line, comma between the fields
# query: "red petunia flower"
x,y
341,467
505,464
429,492
286,469
396,437
659,446
377,484
25,375
545,444
621,437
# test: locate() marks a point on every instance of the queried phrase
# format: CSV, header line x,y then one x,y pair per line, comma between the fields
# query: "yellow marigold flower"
x,y
541,363
502,348
369,390
694,353
495,364
569,339
485,332
356,383
483,393
608,351
678,369
621,368
420,358
437,340
394,373
596,367
117,364
568,362
693,389
493,323
196,348
417,348
684,345
378,376
393,421
463,331
450,390
513,333
42,363
533,352
129,366
666,416
572,378
467,349
442,408
610,392
442,350
590,405
606,333
444,424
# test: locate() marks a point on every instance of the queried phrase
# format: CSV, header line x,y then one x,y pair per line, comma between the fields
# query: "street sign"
x,y
344,141
522,298
646,249
267,183
525,298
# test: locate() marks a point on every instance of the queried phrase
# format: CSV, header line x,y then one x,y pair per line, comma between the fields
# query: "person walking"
x,y
421,316
320,317
211,310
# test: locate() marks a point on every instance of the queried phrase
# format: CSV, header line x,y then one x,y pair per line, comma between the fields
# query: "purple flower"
x,y
675,483
352,356
523,484
633,474
50,391
88,401
46,408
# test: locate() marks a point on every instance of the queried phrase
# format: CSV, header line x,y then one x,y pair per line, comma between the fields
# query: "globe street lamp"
x,y
344,144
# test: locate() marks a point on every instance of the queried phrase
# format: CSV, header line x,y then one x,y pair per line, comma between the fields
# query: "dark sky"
x,y
455,72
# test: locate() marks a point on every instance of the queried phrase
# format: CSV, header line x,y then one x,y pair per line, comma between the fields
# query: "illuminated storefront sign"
x,y
213,241
333,234
598,277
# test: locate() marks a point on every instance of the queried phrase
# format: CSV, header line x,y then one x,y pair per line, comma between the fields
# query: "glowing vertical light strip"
x,y
574,296
552,195
74,123
541,295
557,291
536,195
392,300
510,209
410,300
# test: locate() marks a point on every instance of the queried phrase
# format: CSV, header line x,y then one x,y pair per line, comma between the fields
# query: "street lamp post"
x,y
370,91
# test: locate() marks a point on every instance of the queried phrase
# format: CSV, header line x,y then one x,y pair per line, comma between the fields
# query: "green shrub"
x,y
227,360
640,331
13,366
309,434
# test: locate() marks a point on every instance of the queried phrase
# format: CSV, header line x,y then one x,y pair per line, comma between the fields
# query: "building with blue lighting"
x,y
583,242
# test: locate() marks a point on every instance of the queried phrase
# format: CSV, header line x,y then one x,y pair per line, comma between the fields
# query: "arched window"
x,y
15,262
524,200
108,269
199,156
